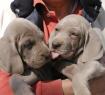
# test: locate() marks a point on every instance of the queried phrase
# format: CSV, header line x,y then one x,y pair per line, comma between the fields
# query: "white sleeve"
x,y
6,16
1,18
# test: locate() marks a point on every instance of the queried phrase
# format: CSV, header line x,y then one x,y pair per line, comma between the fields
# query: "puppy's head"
x,y
27,41
69,36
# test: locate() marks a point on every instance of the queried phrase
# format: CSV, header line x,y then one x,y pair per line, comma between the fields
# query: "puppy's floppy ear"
x,y
92,48
11,59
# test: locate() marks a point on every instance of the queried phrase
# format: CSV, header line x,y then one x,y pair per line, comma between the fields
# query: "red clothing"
x,y
41,88
4,84
49,88
50,19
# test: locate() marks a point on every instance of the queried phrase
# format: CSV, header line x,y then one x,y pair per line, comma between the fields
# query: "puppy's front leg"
x,y
69,71
19,86
31,78
86,72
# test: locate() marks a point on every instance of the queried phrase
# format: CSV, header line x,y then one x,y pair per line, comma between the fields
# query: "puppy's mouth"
x,y
68,55
55,55
64,55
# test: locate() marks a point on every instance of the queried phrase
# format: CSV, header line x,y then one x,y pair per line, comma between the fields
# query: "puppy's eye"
x,y
28,44
74,34
56,29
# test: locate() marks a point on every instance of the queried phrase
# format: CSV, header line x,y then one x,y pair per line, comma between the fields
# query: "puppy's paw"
x,y
19,86
69,71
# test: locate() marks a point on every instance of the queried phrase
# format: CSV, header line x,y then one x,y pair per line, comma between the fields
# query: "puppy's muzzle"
x,y
56,45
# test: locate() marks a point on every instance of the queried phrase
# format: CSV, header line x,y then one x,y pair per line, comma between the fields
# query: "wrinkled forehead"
x,y
68,27
73,21
23,27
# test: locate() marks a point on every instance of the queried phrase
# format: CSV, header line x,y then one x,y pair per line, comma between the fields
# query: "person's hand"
x,y
67,87
97,86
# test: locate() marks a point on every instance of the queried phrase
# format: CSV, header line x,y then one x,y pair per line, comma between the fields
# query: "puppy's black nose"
x,y
56,45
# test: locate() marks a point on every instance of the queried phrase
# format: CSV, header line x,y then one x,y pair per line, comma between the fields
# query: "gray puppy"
x,y
75,40
21,48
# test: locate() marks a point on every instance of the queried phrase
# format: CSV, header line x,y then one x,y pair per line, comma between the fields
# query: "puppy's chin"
x,y
68,55
37,65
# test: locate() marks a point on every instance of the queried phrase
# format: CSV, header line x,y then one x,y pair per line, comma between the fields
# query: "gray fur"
x,y
22,47
78,42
